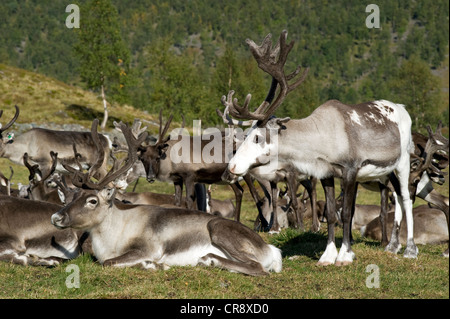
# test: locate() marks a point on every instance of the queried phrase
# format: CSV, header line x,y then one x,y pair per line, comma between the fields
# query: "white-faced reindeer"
x,y
39,142
151,236
268,214
363,142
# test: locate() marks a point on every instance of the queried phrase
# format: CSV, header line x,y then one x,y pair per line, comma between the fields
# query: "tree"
x,y
103,55
417,88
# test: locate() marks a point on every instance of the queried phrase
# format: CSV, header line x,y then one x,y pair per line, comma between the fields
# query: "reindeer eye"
x,y
93,201
258,139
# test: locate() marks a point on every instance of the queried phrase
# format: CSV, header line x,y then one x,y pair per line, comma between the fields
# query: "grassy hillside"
x,y
45,100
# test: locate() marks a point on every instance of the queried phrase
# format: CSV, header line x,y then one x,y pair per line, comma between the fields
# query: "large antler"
x,y
16,115
271,60
436,142
83,180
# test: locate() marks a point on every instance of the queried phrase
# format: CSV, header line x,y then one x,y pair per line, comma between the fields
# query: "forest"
x,y
182,56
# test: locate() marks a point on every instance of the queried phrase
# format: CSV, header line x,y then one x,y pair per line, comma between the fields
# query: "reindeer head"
x,y
94,199
433,159
151,155
260,145
8,138
87,210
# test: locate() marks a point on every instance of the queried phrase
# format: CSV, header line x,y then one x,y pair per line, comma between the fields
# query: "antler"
x,y
436,142
16,115
272,61
34,169
83,180
163,131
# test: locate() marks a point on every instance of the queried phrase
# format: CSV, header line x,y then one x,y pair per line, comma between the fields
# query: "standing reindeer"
x,y
159,165
39,142
269,181
151,236
356,143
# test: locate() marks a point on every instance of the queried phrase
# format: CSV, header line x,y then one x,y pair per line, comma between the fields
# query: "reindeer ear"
x,y
278,123
9,138
162,148
107,194
283,120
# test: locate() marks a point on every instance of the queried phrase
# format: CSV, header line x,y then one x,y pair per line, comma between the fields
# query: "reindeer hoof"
x,y
345,257
411,252
445,254
394,249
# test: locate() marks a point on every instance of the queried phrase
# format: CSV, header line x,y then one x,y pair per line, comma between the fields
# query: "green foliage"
x,y
203,39
103,55
417,88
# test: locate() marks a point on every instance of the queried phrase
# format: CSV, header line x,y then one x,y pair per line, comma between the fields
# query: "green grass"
x,y
425,277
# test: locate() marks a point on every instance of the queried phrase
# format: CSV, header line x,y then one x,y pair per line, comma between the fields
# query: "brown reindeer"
x,y
159,164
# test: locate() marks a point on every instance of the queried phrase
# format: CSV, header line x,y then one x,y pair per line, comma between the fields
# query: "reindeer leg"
x,y
12,251
178,192
411,250
190,194
353,213
238,191
246,255
310,186
292,187
346,254
133,258
394,243
274,191
384,191
260,223
264,209
330,254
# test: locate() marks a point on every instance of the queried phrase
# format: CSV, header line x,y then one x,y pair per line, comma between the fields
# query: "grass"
x,y
426,277
423,278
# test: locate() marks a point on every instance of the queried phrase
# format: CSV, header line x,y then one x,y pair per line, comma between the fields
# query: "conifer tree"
x,y
103,55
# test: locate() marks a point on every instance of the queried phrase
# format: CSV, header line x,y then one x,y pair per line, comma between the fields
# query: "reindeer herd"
x,y
77,199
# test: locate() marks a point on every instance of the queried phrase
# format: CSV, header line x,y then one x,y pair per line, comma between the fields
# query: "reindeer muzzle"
x,y
59,220
229,177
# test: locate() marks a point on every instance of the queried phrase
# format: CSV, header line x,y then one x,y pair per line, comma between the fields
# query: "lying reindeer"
x,y
28,238
430,226
151,236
